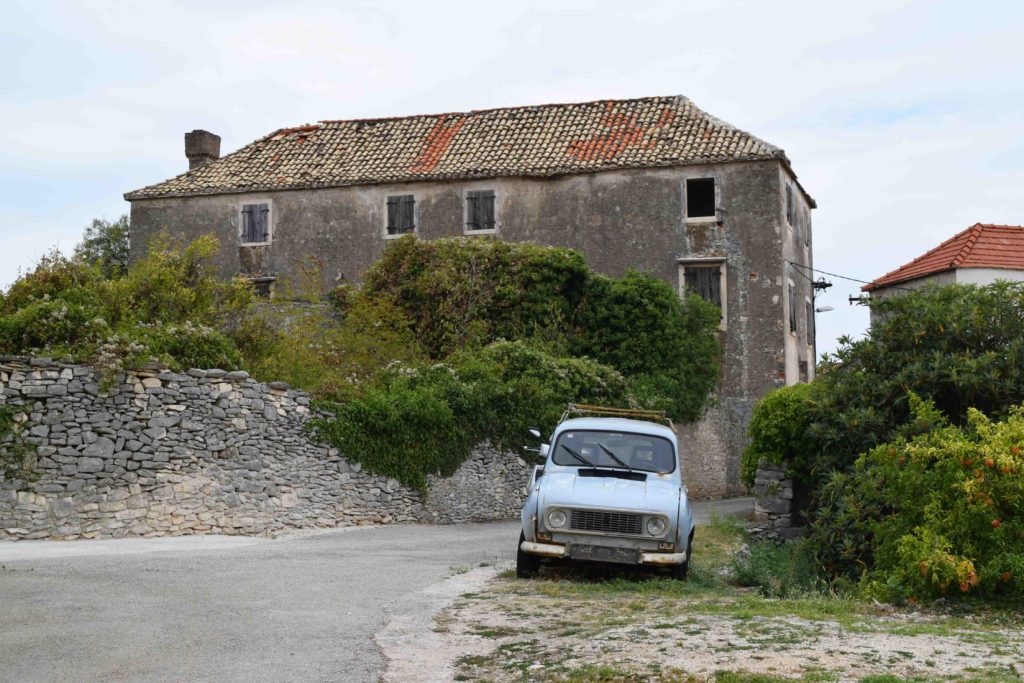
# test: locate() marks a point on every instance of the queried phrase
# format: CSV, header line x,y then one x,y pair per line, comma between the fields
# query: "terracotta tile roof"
x,y
980,246
543,140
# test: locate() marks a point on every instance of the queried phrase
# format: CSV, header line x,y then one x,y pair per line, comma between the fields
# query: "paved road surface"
x,y
209,608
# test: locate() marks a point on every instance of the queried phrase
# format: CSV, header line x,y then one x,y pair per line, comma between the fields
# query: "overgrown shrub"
x,y
330,354
461,292
779,434
665,345
939,514
959,346
170,306
418,421
466,293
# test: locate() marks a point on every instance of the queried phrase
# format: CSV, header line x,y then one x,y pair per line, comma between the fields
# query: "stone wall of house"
x,y
774,512
618,219
207,451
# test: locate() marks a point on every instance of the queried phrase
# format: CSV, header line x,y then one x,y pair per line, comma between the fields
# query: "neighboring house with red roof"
x,y
980,255
654,184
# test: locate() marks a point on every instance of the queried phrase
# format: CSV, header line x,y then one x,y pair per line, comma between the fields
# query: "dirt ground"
x,y
573,626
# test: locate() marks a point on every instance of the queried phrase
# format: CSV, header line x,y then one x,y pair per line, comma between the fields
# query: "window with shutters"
x,y
254,223
480,211
705,278
700,198
401,210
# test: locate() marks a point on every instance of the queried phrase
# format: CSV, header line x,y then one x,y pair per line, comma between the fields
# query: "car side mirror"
x,y
534,432
544,450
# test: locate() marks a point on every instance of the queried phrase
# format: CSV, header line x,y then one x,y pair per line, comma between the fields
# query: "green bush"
x,y
14,462
939,514
170,306
779,434
665,345
332,355
466,293
418,421
959,346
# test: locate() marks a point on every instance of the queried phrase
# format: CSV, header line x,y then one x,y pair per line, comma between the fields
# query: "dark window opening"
x,y
263,286
792,308
705,282
810,324
480,210
255,223
401,214
790,214
700,198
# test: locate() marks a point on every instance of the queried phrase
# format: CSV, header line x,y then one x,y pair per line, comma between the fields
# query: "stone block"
x,y
90,464
101,447
772,505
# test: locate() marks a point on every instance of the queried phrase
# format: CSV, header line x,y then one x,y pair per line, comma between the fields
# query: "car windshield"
x,y
591,448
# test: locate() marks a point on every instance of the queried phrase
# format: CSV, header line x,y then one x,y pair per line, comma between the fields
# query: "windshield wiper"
x,y
577,455
614,457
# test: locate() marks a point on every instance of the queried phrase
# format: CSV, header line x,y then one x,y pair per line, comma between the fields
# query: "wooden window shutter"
x,y
246,224
392,215
706,282
487,209
408,223
262,223
472,211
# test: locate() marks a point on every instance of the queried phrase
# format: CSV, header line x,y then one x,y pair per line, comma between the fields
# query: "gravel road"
x,y
208,608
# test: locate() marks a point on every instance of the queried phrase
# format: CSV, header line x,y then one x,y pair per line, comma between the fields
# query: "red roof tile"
x,y
545,140
980,246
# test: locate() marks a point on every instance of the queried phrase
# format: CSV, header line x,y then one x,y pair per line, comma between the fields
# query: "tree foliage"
x,y
779,433
105,245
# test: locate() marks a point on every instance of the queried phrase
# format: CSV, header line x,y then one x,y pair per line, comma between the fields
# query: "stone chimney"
x,y
201,147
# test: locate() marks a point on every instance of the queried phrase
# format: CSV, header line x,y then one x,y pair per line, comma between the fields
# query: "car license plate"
x,y
600,553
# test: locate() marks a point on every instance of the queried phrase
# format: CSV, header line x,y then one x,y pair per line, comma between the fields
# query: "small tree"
x,y
105,244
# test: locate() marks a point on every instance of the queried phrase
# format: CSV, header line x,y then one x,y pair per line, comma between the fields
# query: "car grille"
x,y
606,522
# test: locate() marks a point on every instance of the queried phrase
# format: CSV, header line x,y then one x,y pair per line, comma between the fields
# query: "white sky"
x,y
905,120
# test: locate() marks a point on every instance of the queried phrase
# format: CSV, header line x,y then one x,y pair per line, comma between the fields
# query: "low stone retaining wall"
x,y
773,507
164,453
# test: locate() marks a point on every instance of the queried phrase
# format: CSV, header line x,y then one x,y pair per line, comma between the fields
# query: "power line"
x,y
842,277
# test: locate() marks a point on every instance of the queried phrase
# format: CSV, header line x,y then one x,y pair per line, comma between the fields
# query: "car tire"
x,y
681,571
527,565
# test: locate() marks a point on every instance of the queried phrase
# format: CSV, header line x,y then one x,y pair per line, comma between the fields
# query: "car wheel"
x,y
681,571
527,565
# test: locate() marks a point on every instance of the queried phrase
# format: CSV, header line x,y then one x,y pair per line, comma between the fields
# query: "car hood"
x,y
610,493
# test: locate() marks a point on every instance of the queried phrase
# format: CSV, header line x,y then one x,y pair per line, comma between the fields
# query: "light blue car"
x,y
610,490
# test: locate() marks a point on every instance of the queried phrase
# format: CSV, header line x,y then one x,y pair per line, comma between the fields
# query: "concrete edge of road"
x,y
409,643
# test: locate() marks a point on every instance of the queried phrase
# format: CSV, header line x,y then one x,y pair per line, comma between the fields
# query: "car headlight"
x,y
556,519
656,526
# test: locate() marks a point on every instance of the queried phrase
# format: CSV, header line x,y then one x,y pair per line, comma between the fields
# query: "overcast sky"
x,y
904,120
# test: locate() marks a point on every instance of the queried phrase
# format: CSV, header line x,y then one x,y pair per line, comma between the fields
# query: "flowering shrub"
x,y
939,514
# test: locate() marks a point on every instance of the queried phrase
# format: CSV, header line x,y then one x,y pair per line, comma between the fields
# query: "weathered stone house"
x,y
653,184
980,255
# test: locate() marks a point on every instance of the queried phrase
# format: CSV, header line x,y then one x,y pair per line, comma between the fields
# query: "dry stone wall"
x,y
206,451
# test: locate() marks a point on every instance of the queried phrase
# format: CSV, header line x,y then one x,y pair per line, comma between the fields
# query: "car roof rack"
x,y
583,410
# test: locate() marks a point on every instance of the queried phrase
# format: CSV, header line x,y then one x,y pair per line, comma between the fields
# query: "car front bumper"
x,y
562,551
